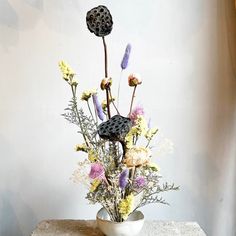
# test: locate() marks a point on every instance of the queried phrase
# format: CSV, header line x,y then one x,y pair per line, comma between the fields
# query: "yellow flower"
x,y
141,125
67,72
140,128
126,206
92,156
137,156
150,133
81,147
87,94
94,185
129,139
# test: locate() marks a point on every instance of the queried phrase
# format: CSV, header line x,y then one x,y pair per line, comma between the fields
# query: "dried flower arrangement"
x,y
118,171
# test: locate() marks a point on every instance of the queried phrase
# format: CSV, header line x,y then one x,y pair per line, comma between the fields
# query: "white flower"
x,y
81,174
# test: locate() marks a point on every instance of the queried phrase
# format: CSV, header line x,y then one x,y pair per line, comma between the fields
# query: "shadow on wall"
x,y
15,16
59,15
9,219
8,25
38,4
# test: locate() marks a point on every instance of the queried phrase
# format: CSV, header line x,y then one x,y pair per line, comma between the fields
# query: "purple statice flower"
x,y
123,179
98,107
125,60
139,182
97,171
137,111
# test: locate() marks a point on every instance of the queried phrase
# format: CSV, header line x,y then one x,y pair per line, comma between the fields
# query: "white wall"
x,y
181,49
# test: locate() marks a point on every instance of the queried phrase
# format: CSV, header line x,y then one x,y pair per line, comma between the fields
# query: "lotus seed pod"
x,y
115,129
99,21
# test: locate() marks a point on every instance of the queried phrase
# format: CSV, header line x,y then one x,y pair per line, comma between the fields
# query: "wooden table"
x,y
88,228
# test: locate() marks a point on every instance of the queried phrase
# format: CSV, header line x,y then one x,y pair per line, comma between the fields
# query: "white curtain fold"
x,y
224,217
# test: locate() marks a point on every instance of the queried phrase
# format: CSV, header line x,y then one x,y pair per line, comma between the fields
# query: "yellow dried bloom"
x,y
66,71
140,128
141,125
94,185
150,133
81,147
126,206
87,94
129,138
92,156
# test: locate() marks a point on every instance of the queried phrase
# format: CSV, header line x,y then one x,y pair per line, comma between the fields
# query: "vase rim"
x,y
140,218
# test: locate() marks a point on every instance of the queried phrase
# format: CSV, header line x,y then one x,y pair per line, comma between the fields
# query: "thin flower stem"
x,y
95,111
132,175
90,111
108,104
106,76
148,143
118,93
132,100
105,56
113,102
77,113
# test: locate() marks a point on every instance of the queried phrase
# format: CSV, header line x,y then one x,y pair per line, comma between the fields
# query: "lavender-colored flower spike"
x,y
98,107
123,179
125,60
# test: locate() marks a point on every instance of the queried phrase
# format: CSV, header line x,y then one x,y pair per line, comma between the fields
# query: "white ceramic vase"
x,y
131,227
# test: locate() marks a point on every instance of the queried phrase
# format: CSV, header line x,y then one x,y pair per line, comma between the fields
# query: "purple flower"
x,y
123,179
97,171
139,182
98,107
137,111
125,60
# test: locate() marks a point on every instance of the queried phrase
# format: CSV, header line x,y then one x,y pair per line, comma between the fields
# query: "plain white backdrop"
x,y
184,51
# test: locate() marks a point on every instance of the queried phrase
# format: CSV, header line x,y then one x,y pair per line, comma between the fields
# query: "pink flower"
x,y
137,111
97,171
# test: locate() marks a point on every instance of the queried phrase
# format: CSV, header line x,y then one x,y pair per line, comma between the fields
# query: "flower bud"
x,y
134,80
106,83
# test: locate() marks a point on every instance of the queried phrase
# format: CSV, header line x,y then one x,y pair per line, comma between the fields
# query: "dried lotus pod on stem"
x,y
115,129
99,22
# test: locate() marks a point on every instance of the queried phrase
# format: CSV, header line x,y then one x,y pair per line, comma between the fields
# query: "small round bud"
x,y
134,80
106,83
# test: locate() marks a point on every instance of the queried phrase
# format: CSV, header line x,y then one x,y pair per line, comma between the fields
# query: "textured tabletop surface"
x,y
88,228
